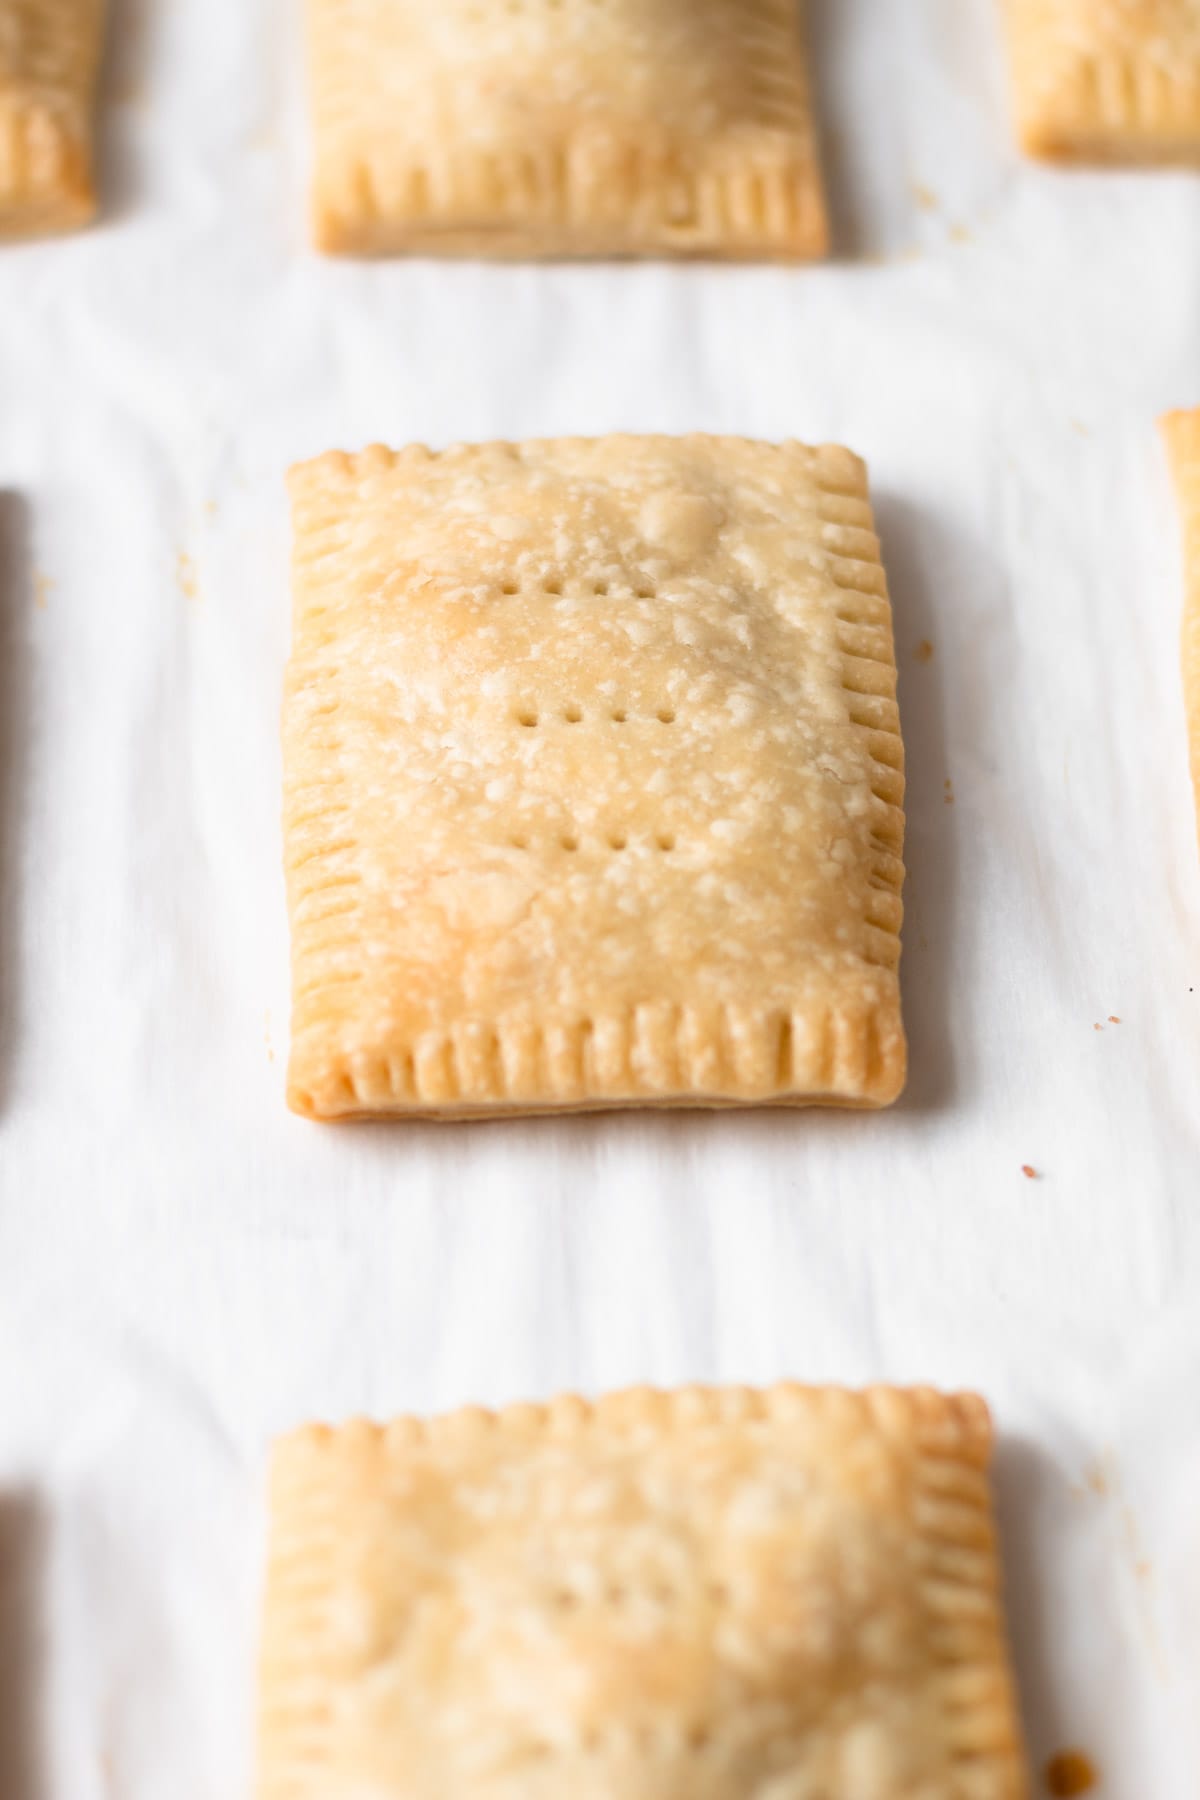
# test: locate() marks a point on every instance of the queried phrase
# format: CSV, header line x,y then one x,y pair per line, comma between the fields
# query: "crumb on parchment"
x,y
1070,1772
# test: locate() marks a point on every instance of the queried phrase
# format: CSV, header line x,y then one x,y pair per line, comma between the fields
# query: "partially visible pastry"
x,y
1182,433
1107,81
49,53
710,1594
560,128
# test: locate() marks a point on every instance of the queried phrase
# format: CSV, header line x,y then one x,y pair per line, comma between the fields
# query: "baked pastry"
x,y
564,128
49,51
1107,81
1182,433
702,1595
593,780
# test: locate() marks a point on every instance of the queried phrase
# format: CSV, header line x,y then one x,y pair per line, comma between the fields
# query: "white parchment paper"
x,y
186,1269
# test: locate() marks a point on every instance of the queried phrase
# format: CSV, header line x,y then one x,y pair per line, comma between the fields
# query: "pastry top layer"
x,y
704,1595
564,125
595,738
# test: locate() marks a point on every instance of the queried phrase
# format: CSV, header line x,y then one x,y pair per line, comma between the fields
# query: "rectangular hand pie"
x,y
49,50
709,1594
564,128
1182,433
1107,81
593,780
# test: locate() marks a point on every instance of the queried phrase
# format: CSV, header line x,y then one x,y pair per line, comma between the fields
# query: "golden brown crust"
x,y
593,780
642,127
1181,430
695,1595
49,51
1107,81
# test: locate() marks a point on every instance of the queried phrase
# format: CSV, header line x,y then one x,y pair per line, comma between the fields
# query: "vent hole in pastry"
x,y
666,715
553,585
509,587
618,841
644,591
572,713
618,715
718,1593
569,841
527,716
519,841
600,589
698,1738
784,1069
563,1599
665,840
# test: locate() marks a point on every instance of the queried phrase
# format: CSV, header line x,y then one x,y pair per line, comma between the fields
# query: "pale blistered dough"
x,y
712,1594
1107,81
1182,433
564,128
593,780
49,50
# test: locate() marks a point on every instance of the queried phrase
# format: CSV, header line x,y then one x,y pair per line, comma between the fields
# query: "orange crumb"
x,y
959,234
1097,1028
1070,1772
1113,1019
924,651
925,197
1029,1172
1097,1481
1079,426
948,795
185,573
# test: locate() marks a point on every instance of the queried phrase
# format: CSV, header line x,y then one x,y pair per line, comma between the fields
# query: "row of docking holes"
x,y
566,1599
553,586
572,714
616,840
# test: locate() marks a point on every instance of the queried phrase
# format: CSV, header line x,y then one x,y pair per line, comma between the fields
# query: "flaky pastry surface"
x,y
711,1594
564,128
593,780
1182,433
49,50
1107,80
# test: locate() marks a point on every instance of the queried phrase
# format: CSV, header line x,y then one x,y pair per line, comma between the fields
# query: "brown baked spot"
x,y
1070,1772
1029,1172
